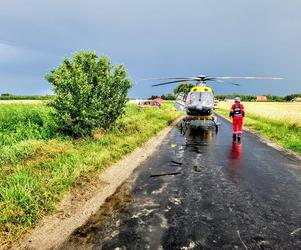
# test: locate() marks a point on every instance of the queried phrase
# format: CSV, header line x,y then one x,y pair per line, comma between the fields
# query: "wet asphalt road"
x,y
220,195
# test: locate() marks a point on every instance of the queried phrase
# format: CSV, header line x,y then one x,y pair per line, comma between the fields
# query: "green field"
x,y
38,165
279,122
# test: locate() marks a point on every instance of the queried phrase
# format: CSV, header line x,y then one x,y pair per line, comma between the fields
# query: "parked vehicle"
x,y
156,103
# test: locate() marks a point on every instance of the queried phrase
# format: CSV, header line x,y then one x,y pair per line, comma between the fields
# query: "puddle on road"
x,y
197,141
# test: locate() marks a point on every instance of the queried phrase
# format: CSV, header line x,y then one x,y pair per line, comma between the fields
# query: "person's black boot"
x,y
239,138
234,137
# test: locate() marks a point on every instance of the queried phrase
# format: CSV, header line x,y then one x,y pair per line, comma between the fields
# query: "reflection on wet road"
x,y
225,196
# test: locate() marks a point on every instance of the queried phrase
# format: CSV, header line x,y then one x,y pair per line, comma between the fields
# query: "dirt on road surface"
x,y
201,191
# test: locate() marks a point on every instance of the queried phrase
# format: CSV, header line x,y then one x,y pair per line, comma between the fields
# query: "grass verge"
x,y
37,171
288,135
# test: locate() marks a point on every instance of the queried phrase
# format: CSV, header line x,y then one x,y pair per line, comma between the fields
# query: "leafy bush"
x,y
90,93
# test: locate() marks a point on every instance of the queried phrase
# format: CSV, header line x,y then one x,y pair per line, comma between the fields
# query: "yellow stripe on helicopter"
x,y
201,89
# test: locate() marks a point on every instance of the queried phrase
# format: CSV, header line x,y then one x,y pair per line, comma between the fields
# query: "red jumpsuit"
x,y
237,112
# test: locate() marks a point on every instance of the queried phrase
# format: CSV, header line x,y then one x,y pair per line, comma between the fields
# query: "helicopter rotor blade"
x,y
248,78
208,79
170,78
204,79
221,81
165,83
233,83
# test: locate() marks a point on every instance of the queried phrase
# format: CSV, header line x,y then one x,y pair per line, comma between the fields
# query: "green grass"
x,y
22,129
288,135
39,166
25,121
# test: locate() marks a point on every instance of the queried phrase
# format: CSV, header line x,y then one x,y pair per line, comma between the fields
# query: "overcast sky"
x,y
154,38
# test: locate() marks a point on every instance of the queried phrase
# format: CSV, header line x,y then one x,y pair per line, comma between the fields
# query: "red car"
x,y
156,103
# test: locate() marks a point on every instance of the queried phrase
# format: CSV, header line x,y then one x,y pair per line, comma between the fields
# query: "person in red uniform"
x,y
237,113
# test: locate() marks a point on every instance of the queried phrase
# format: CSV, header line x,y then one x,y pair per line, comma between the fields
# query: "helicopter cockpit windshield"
x,y
200,100
207,99
193,98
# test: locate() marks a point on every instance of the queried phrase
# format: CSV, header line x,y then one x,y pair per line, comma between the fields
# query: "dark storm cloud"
x,y
154,38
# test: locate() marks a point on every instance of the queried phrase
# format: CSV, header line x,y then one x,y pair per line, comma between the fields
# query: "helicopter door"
x,y
180,102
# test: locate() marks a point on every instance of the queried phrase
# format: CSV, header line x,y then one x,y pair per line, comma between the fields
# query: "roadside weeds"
x,y
35,181
81,203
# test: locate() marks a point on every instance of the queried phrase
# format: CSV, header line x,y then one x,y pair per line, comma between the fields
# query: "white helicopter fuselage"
x,y
199,101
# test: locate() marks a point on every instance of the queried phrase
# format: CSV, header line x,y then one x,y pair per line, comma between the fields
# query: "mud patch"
x,y
82,237
160,190
198,168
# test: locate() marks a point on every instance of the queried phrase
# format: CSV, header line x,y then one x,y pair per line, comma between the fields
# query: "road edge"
x,y
54,229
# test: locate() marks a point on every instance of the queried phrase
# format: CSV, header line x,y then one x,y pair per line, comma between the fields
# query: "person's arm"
x,y
242,108
231,112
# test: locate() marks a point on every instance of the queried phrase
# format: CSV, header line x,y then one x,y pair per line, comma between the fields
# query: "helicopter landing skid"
x,y
209,120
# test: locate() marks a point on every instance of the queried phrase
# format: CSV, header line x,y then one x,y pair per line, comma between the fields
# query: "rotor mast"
x,y
201,80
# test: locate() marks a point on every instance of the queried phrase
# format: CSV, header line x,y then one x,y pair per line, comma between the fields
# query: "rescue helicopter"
x,y
199,102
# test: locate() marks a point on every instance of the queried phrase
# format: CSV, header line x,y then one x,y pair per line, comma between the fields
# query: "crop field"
x,y
278,111
38,165
280,122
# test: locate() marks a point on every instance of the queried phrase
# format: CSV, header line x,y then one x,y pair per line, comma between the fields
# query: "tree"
x,y
291,97
183,87
168,96
6,94
154,97
90,93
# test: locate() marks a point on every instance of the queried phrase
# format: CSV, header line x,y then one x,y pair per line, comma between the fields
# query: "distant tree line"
x,y
244,98
7,96
164,97
252,98
183,87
